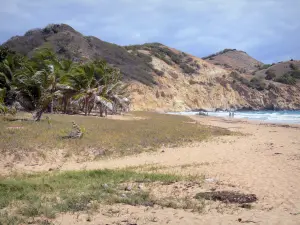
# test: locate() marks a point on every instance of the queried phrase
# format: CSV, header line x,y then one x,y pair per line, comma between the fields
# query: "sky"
x,y
268,30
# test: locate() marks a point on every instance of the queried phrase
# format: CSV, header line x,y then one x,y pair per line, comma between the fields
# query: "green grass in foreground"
x,y
46,194
119,137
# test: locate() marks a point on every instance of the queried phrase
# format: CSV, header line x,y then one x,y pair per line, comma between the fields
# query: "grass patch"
x,y
118,137
46,194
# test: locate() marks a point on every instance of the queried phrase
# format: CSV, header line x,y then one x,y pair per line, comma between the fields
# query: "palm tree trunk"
x,y
51,106
101,110
38,115
91,108
65,105
86,106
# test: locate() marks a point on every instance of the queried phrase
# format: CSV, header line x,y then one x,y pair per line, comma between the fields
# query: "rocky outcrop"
x,y
210,88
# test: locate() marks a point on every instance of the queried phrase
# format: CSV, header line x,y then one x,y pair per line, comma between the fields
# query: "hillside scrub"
x,y
254,83
286,79
270,74
219,53
293,66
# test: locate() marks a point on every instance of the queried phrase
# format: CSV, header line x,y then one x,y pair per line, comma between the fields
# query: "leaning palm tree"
x,y
35,90
45,59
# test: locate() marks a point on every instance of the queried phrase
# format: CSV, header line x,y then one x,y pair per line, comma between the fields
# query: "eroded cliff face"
x,y
210,88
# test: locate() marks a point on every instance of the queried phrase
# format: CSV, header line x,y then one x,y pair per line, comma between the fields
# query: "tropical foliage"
x,y
45,82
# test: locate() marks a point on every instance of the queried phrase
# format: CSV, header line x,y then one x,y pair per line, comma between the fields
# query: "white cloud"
x,y
268,29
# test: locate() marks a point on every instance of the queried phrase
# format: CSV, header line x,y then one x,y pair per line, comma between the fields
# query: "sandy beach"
x,y
263,161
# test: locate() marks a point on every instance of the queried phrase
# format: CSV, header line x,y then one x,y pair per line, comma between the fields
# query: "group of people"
x,y
231,114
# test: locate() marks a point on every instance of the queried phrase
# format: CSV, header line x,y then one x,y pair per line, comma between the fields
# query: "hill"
x,y
165,79
71,44
234,59
285,72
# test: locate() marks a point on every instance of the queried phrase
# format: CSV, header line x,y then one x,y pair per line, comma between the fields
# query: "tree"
x,y
84,82
35,89
46,81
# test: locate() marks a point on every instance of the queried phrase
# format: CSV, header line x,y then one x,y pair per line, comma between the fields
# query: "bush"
x,y
257,84
293,66
195,64
286,79
189,60
158,72
270,74
210,57
145,57
176,59
265,66
295,74
272,87
187,69
242,70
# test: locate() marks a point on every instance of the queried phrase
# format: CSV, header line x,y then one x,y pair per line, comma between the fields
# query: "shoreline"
x,y
250,121
246,116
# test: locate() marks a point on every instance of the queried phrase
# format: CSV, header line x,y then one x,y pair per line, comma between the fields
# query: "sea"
x,y
284,116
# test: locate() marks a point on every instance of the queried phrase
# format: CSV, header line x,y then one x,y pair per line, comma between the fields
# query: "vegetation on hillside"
x,y
71,44
45,82
170,57
289,77
219,53
254,83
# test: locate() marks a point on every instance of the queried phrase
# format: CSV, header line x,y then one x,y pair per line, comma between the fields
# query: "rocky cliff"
x,y
165,79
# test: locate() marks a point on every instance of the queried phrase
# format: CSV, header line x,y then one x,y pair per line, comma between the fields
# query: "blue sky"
x,y
268,30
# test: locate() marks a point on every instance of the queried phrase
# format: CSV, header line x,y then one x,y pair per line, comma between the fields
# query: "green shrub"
x,y
176,59
295,74
145,57
270,74
286,79
293,66
265,66
257,84
187,69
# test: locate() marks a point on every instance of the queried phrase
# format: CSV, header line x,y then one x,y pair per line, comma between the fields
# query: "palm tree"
x,y
82,79
8,68
45,81
35,89
3,108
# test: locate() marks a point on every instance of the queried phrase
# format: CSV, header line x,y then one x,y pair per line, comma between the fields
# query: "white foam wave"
x,y
267,116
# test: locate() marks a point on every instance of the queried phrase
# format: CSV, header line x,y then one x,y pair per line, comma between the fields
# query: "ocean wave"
x,y
285,116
